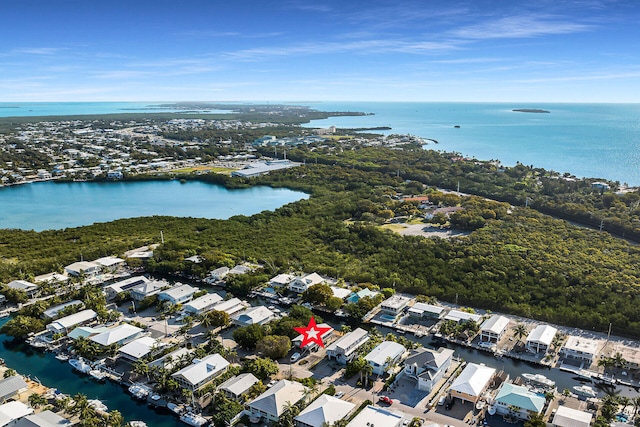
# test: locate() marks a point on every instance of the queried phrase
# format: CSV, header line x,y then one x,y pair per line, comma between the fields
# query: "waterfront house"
x,y
376,416
472,382
53,312
384,355
341,293
10,412
239,269
146,289
580,349
344,349
236,386
179,294
29,288
459,316
169,361
395,304
201,304
125,285
139,348
428,366
297,341
110,263
201,372
119,335
539,340
421,310
67,323
362,293
11,386
301,284
83,268
259,315
517,401
324,411
51,278
43,419
281,280
231,306
271,404
569,417
85,332
494,328
218,274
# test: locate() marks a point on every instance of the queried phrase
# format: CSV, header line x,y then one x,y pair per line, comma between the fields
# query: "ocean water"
x,y
33,109
586,140
49,205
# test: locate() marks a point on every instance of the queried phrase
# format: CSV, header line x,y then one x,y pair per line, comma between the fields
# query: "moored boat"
x,y
62,357
139,391
539,379
97,405
98,374
176,409
584,390
136,423
80,365
193,419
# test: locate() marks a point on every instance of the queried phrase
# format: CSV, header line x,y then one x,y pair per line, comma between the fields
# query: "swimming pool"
x,y
388,318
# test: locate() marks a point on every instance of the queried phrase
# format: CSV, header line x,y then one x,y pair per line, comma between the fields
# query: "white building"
x,y
568,417
301,284
395,304
493,329
124,286
462,316
109,263
29,288
580,348
428,366
344,350
472,382
83,268
539,340
384,355
236,386
379,417
179,294
120,335
281,280
297,341
53,312
12,411
271,404
258,315
201,372
421,310
218,274
137,349
201,304
65,324
323,411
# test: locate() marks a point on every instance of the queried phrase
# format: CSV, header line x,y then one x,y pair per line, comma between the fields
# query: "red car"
x,y
386,399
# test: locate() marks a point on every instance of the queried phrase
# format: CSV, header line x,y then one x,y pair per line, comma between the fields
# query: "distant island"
x,y
530,110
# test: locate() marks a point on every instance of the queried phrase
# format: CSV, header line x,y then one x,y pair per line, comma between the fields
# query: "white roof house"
x,y
580,348
201,371
219,273
462,316
55,310
541,338
301,284
384,354
343,350
64,324
568,417
281,280
297,341
271,404
381,417
11,411
124,285
394,304
23,285
109,262
51,278
147,289
421,310
11,386
325,410
493,328
43,419
231,306
258,315
202,304
179,294
472,382
236,386
168,361
139,348
83,267
239,269
341,293
121,334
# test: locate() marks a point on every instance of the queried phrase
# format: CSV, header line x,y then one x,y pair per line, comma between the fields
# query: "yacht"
x,y
63,357
137,424
539,379
193,419
585,390
98,374
80,365
139,391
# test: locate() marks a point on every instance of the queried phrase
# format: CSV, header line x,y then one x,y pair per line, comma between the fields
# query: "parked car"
x,y
386,399
339,394
295,356
442,400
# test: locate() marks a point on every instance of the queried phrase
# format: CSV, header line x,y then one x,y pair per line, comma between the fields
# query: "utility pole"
x,y
161,237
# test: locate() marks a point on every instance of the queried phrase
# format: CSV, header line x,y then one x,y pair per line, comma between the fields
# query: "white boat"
x,y
491,410
585,390
98,374
139,391
176,409
539,379
62,357
193,419
97,405
80,365
137,424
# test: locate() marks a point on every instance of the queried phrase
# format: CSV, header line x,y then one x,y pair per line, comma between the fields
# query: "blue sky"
x,y
308,50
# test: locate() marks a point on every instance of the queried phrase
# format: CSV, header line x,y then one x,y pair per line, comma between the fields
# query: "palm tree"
x,y
624,401
36,400
519,331
115,419
141,368
345,329
619,361
9,373
367,370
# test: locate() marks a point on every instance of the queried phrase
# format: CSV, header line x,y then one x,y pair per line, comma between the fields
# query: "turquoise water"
x,y
48,205
53,373
587,140
32,109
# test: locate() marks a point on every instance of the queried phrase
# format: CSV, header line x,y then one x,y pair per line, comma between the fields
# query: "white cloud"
x,y
519,26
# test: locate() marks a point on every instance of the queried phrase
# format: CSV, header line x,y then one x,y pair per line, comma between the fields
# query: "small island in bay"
x,y
530,110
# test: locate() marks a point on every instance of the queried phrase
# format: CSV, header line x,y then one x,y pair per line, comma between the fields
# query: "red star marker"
x,y
312,333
